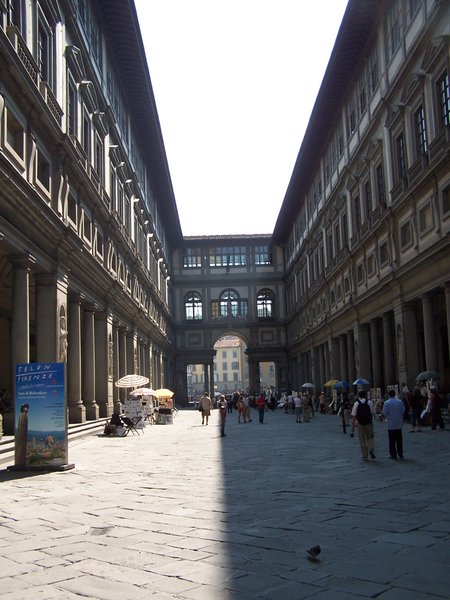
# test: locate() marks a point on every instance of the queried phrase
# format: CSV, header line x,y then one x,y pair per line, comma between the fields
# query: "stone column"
x,y
447,312
343,366
429,332
322,370
335,359
20,325
104,356
388,350
375,351
47,318
351,357
150,373
122,361
116,369
77,411
88,356
408,359
364,354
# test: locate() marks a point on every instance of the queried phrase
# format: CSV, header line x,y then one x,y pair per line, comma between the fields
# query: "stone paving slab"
x,y
180,512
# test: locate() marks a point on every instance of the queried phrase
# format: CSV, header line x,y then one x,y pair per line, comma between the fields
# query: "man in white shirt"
x,y
394,411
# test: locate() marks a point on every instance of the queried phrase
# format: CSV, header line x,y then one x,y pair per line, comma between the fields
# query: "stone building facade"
x,y
88,217
366,220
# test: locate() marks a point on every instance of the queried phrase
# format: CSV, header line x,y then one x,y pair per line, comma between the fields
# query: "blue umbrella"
x,y
342,384
360,381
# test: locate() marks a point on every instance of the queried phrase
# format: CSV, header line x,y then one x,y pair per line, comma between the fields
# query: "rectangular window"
x,y
44,49
87,228
86,134
445,200
405,235
235,365
421,132
224,366
337,237
381,188
425,218
42,170
393,27
15,16
72,210
15,135
192,258
344,229
231,256
374,72
443,94
72,106
98,156
368,199
263,255
384,254
356,212
360,273
400,150
371,265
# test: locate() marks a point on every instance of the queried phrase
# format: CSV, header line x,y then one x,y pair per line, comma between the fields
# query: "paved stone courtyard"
x,y
179,512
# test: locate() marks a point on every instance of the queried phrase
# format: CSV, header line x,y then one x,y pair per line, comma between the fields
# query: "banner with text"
x,y
41,423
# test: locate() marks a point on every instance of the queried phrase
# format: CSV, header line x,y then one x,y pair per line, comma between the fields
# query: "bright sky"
x,y
235,82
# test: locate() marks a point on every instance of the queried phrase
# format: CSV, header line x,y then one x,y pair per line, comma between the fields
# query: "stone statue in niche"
x,y
63,335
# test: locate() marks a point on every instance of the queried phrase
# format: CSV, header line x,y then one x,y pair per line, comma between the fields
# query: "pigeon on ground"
x,y
314,551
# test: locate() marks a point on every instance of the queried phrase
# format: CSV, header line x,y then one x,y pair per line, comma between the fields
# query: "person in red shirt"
x,y
261,407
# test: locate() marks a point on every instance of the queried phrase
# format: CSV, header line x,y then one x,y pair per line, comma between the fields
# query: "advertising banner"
x,y
41,424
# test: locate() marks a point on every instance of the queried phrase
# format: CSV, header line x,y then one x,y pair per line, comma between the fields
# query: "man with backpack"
x,y
362,412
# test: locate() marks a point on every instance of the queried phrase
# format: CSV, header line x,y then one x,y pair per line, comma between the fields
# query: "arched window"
x,y
193,306
264,304
229,305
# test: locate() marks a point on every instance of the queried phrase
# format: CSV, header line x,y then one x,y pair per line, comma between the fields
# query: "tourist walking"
x,y
394,412
298,408
415,406
261,407
222,406
435,409
205,405
362,416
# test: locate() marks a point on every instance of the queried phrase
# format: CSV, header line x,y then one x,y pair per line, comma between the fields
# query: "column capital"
x,y
22,261
76,298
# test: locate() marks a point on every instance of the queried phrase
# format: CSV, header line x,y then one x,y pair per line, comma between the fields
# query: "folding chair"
x,y
130,426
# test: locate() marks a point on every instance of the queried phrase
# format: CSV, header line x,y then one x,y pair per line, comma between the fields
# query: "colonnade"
x,y
390,348
52,323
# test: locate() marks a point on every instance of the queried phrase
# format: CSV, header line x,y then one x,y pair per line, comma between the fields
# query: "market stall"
x,y
164,413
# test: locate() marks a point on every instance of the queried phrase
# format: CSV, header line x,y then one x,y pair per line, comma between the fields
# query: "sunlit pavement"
x,y
179,512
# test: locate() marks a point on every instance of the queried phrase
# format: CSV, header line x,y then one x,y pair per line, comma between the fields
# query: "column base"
x,y
92,412
77,414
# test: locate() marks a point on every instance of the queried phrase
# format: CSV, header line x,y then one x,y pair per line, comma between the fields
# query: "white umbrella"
x,y
163,393
143,392
308,385
132,381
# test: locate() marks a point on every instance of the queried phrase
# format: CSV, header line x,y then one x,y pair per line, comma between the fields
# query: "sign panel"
x,y
41,425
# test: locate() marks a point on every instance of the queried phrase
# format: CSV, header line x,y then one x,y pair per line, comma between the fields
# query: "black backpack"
x,y
363,413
